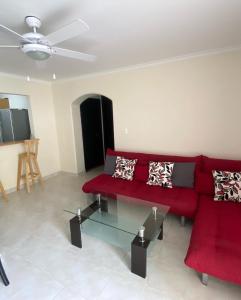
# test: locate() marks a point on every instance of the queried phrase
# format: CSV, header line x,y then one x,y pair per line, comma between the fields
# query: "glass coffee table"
x,y
126,222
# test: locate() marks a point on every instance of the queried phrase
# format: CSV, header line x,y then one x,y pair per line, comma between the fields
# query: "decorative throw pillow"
x,y
160,173
183,174
124,168
110,162
234,191
227,186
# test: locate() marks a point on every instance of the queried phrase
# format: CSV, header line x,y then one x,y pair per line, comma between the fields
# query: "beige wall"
x,y
184,107
41,100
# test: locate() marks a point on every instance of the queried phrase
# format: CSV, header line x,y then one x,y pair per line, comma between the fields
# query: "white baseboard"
x,y
22,185
69,173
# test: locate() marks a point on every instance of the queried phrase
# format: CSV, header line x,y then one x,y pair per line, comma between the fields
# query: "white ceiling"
x,y
122,32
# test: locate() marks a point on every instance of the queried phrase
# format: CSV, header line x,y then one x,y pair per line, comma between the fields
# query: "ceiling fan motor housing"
x,y
33,37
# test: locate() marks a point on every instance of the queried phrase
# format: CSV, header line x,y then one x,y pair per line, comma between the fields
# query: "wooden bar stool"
x,y
4,195
28,165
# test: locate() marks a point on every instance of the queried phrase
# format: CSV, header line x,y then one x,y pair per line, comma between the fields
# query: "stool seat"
x,y
28,165
26,154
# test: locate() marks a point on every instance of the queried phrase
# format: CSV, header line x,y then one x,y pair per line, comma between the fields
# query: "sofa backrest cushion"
x,y
210,164
204,180
141,172
144,158
205,183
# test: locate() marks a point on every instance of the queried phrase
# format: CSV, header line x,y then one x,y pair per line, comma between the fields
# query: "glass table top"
x,y
112,213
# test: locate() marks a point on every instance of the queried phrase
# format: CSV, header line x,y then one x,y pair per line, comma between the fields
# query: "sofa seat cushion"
x,y
182,201
215,246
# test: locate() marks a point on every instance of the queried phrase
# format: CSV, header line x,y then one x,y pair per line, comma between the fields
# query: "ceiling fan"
x,y
40,47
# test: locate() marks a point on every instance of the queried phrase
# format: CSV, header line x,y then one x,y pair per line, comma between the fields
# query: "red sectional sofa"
x,y
182,201
215,245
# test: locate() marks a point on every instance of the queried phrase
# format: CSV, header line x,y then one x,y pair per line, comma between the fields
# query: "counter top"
x,y
11,143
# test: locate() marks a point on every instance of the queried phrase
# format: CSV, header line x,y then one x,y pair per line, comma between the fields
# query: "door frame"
x,y
77,129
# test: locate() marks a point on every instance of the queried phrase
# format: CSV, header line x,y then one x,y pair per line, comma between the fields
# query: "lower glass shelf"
x,y
108,234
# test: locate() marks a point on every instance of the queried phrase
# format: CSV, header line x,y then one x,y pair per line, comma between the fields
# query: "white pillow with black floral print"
x,y
124,168
234,191
160,173
227,186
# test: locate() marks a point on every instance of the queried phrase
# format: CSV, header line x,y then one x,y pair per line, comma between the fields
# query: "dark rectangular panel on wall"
x,y
108,124
6,131
21,126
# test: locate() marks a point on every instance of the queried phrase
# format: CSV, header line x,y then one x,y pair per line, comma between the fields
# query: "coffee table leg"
x,y
160,236
75,232
138,256
75,222
103,204
3,274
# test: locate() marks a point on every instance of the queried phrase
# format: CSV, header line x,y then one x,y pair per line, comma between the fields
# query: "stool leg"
x,y
38,170
31,171
3,191
20,163
27,175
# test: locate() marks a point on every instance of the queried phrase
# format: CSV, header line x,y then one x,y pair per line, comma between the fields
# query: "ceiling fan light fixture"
x,y
37,51
40,47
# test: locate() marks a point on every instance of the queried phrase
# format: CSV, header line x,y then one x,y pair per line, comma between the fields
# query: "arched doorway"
x,y
94,130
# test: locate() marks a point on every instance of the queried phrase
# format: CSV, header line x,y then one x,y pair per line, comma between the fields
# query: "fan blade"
x,y
10,30
73,54
14,32
67,32
8,46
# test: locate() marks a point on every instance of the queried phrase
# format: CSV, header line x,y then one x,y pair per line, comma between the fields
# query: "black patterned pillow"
x,y
160,173
227,186
124,168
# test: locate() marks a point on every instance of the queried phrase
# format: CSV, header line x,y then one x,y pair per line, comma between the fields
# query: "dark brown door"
x,y
90,111
108,124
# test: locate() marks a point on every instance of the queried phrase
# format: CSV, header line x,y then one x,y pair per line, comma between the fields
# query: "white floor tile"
x,y
42,264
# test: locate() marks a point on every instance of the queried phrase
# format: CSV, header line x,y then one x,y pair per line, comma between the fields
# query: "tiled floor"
x,y
42,264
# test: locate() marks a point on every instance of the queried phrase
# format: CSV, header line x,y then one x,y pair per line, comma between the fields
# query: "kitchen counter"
x,y
11,143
